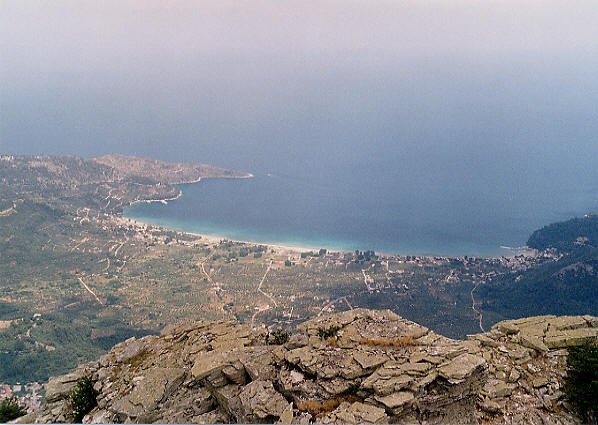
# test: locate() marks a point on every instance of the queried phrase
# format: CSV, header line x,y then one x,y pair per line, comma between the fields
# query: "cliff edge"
x,y
359,366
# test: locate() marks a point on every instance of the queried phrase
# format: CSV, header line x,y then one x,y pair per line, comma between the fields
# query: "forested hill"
x,y
568,284
567,235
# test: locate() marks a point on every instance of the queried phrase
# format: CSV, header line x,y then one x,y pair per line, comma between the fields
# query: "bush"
x,y
329,332
10,409
581,382
82,398
278,337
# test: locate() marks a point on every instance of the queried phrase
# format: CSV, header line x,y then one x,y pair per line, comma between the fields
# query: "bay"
x,y
289,211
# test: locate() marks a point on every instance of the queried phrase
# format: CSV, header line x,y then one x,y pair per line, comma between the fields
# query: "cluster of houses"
x,y
29,395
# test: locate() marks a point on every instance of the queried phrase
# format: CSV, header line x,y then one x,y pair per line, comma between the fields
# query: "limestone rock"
x,y
357,413
461,367
378,368
260,401
130,349
490,406
59,387
287,415
570,337
396,402
533,342
497,389
209,362
539,382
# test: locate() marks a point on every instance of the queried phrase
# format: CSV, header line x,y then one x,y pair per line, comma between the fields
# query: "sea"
x,y
434,128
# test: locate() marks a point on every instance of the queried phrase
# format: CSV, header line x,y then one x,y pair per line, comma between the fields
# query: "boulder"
x,y
397,402
209,362
570,337
461,367
356,413
259,401
130,349
155,386
533,342
59,387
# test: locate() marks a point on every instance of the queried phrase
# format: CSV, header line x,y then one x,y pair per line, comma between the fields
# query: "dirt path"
x,y
344,297
117,249
90,291
9,211
259,288
365,280
203,270
473,305
216,287
81,242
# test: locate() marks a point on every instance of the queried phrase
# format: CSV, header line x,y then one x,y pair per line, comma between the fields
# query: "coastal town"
x,y
29,395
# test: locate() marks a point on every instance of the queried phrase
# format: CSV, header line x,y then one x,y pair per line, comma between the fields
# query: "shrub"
x,y
82,398
328,332
10,409
278,337
581,382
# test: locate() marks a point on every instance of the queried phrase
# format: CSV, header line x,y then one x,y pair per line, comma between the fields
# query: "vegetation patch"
x,y
581,382
328,332
10,409
82,398
277,337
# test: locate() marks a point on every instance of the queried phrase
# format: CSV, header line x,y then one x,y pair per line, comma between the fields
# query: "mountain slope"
x,y
359,366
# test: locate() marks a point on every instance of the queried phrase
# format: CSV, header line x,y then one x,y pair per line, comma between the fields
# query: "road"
x,y
90,291
259,288
473,305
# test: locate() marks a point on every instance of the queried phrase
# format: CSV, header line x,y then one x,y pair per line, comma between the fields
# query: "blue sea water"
x,y
291,211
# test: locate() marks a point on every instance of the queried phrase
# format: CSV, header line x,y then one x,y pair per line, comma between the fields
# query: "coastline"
x,y
211,238
291,248
215,239
162,201
199,179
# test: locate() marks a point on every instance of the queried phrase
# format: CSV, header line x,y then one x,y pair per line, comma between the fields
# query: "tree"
x,y
10,409
581,382
82,398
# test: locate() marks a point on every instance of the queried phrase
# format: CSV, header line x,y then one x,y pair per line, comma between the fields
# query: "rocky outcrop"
x,y
359,366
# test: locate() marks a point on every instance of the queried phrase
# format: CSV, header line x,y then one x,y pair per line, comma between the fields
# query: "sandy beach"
x,y
215,239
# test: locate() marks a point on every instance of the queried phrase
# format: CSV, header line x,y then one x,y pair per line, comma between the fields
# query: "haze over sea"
x,y
437,127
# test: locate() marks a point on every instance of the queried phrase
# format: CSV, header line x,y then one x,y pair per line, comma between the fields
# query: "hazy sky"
x,y
242,76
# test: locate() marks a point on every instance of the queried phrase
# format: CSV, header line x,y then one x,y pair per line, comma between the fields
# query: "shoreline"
x,y
286,248
162,201
215,239
199,179
283,248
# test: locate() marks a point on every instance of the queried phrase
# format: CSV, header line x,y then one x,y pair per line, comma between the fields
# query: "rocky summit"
x,y
359,366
